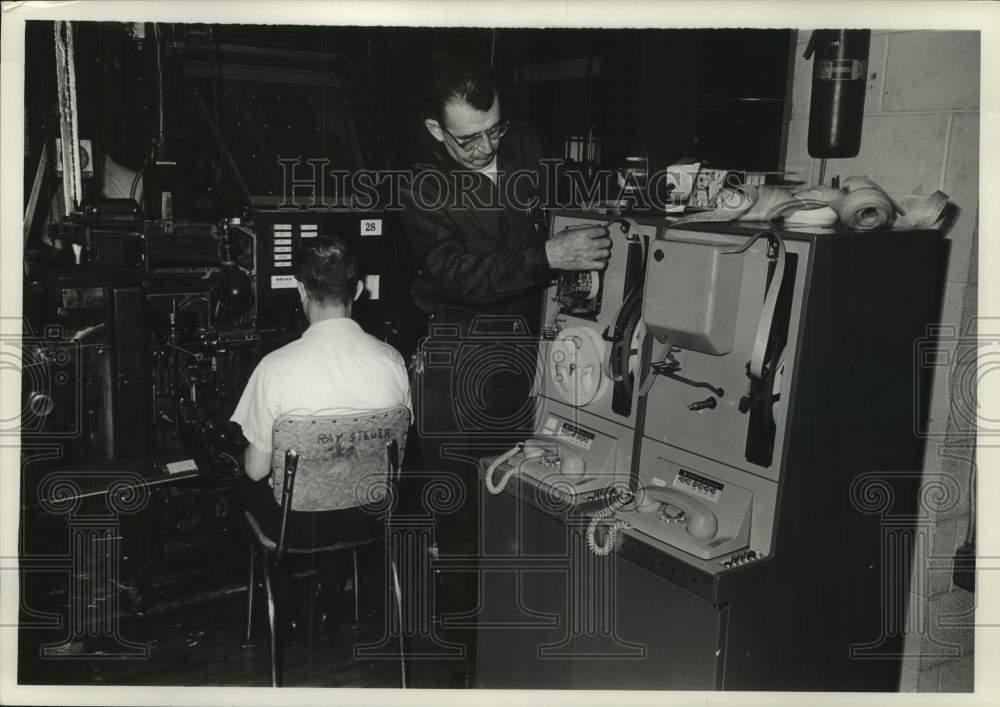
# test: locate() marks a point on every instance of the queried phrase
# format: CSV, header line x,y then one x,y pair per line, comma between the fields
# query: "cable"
x,y
158,137
498,488
188,301
611,530
231,458
549,329
610,536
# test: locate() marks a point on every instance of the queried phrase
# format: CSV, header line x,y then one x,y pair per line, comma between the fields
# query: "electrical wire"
x,y
231,458
498,488
158,137
591,148
135,183
549,329
191,299
611,529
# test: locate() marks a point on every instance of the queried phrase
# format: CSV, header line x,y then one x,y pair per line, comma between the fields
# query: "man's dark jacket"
x,y
480,247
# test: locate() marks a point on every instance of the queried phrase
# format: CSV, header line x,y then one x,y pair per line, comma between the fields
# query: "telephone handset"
x,y
674,506
545,452
670,505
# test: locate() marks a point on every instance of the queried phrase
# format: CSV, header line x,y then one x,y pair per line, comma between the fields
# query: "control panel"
x,y
281,232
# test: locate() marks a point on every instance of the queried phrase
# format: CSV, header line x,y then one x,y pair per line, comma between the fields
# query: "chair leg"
x,y
274,643
398,591
357,593
251,590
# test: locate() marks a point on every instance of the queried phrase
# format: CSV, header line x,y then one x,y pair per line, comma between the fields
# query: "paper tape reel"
x,y
575,366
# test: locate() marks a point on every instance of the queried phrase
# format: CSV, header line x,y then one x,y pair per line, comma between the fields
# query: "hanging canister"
x,y
840,69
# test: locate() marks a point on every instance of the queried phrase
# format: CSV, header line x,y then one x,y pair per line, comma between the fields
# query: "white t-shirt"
x,y
335,368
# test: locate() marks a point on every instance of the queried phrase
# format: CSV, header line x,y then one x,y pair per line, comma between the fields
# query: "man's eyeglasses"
x,y
470,141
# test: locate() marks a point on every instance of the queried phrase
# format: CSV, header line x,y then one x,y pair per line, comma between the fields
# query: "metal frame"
x,y
272,560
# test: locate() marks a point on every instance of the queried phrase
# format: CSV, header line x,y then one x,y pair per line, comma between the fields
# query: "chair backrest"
x,y
342,460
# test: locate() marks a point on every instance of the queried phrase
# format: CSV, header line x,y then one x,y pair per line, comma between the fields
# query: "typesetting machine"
x,y
138,338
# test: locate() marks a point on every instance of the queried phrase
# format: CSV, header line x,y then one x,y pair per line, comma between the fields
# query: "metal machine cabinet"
x,y
768,433
553,616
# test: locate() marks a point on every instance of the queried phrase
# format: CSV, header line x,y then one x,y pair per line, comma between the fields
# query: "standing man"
x,y
475,224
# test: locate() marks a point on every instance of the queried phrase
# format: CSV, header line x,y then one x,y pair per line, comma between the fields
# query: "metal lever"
x,y
194,354
669,370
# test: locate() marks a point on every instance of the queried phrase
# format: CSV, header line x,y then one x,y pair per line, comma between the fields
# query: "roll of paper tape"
x,y
860,204
866,209
928,213
865,206
822,216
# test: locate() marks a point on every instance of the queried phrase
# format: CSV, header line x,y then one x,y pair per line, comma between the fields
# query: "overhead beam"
x,y
266,74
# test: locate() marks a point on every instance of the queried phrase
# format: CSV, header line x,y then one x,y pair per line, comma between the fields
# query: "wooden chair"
x,y
325,464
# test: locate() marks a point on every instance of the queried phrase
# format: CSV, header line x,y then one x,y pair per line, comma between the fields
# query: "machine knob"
x,y
706,404
41,405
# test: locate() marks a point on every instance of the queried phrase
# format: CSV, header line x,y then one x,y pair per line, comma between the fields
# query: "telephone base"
x,y
677,535
567,486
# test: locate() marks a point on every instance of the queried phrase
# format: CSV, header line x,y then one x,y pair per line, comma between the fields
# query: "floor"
x,y
185,637
202,645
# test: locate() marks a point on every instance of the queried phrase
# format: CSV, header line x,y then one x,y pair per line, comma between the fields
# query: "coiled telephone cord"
x,y
612,528
498,488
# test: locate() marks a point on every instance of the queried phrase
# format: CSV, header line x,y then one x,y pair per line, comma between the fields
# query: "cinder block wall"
x,y
920,134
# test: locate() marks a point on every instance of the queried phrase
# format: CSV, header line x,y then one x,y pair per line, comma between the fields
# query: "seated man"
x,y
335,368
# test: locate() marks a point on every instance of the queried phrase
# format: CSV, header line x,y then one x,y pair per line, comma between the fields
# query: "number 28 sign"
x,y
371,227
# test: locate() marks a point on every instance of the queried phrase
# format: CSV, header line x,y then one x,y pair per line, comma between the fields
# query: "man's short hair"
x,y
327,269
458,78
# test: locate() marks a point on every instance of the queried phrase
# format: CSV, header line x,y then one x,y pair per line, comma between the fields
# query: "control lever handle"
x,y
670,372
706,404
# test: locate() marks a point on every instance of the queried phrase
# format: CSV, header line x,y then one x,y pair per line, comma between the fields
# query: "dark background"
x,y
242,96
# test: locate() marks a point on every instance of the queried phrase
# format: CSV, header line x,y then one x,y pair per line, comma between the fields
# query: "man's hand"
x,y
579,248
